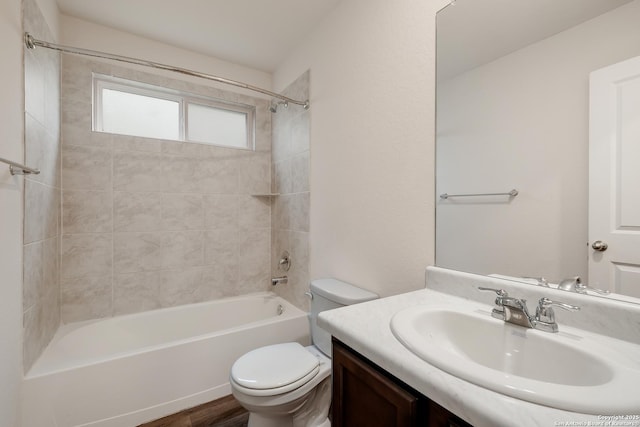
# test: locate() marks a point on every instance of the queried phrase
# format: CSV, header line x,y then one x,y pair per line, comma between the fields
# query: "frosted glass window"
x,y
217,126
127,107
138,115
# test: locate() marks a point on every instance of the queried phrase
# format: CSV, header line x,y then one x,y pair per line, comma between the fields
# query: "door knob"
x,y
599,246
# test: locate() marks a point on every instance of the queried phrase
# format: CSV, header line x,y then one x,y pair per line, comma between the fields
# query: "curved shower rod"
x,y
31,43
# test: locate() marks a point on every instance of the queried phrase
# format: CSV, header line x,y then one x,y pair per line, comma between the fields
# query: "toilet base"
x,y
312,412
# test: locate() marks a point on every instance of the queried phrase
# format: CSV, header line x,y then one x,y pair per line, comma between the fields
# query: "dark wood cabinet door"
x,y
440,417
364,397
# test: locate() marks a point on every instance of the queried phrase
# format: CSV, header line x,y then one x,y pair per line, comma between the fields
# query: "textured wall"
x,y
41,282
290,219
150,223
372,152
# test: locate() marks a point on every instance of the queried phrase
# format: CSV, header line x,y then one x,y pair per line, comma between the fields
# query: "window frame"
x,y
184,99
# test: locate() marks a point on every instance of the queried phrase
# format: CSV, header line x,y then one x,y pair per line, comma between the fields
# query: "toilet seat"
x,y
274,369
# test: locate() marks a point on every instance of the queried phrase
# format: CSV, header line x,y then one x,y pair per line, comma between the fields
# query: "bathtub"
x,y
126,370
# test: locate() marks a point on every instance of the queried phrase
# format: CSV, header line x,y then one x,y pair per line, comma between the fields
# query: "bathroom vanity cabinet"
x,y
364,395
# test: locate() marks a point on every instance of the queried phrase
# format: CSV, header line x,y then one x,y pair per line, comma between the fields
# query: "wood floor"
x,y
224,412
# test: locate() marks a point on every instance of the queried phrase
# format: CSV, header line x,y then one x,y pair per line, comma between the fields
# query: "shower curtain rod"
x,y
31,43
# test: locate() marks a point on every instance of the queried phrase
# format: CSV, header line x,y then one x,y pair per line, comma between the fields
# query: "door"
x,y
614,178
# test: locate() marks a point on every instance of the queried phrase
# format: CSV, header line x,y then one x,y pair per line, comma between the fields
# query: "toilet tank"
x,y
328,294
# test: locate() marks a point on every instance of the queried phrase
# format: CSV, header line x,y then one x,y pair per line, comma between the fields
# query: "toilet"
x,y
288,385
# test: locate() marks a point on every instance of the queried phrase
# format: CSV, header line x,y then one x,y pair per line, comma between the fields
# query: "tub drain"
x,y
280,309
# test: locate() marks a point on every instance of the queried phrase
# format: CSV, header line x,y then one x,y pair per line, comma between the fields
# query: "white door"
x,y
614,178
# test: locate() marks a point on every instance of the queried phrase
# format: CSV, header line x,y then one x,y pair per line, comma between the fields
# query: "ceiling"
x,y
476,32
254,33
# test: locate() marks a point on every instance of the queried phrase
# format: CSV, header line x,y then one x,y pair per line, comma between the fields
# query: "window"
x,y
131,108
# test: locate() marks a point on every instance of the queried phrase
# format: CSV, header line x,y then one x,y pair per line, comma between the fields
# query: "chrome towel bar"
x,y
512,193
18,169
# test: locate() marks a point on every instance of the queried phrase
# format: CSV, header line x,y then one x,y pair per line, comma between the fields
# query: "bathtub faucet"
x,y
278,280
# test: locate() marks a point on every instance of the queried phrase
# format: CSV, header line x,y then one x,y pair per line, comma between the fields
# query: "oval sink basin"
x,y
550,369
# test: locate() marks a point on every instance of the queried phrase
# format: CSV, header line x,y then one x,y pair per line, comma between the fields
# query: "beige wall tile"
x,y
281,212
41,307
300,173
137,252
87,212
299,206
221,211
282,177
41,214
42,151
86,168
184,227
136,292
33,283
220,246
254,212
182,211
137,171
219,176
280,242
51,266
33,342
84,136
134,143
137,211
221,279
86,255
254,176
253,250
182,249
85,298
183,287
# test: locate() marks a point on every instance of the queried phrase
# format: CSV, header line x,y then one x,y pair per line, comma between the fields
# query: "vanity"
x,y
587,372
366,395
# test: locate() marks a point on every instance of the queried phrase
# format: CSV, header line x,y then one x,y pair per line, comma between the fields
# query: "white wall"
x,y
79,33
522,122
11,134
372,142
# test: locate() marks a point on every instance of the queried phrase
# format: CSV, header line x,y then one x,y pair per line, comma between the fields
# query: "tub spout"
x,y
278,280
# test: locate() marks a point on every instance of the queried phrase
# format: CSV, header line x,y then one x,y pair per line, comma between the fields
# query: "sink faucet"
x,y
514,310
509,309
574,284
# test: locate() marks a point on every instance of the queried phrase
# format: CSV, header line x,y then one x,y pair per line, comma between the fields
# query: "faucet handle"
x,y
541,281
581,288
545,317
498,310
500,292
545,303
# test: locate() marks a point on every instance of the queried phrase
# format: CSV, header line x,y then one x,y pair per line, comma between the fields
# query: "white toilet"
x,y
288,385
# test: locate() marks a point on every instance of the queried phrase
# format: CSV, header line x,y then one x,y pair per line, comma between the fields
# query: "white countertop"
x,y
365,328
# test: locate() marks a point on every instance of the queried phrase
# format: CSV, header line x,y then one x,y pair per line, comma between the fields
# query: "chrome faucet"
x,y
574,284
541,281
514,310
509,309
278,280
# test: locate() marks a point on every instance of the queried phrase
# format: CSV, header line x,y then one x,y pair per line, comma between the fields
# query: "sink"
x,y
562,370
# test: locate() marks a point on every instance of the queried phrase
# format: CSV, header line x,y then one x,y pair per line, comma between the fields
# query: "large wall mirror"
x,y
513,113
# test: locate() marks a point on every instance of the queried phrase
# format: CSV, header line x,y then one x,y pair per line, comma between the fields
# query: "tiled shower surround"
x,y
41,256
151,223
290,217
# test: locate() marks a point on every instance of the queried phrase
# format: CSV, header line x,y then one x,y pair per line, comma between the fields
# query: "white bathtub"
x,y
126,370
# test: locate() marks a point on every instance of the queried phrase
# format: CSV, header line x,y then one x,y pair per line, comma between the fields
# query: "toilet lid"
x,y
274,366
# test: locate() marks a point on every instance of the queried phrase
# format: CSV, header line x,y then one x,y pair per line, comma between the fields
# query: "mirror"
x,y
513,113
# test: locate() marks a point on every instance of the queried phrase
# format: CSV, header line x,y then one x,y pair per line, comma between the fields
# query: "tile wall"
x,y
41,285
151,223
290,218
